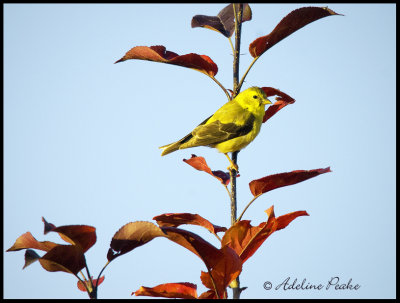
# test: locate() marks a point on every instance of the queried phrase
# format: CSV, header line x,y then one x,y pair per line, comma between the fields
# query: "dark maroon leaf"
x,y
224,22
66,258
288,25
30,257
282,100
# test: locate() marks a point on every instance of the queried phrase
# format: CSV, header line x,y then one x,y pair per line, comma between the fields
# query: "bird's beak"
x,y
267,101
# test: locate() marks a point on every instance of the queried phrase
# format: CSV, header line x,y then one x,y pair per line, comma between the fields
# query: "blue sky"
x,y
81,138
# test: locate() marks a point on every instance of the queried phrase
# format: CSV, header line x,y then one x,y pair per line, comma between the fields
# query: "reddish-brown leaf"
x,y
209,294
225,271
30,257
245,239
176,219
66,258
282,100
158,53
28,241
81,286
224,22
268,183
288,25
81,235
132,235
182,290
200,163
208,253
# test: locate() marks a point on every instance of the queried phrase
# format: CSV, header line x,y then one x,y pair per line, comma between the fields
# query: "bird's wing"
x,y
217,132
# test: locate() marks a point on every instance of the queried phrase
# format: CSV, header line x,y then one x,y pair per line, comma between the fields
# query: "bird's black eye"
x,y
255,96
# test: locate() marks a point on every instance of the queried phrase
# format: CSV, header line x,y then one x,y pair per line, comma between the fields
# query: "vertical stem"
x,y
238,10
233,190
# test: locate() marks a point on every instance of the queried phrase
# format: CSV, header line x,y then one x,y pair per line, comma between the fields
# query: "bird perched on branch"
x,y
231,128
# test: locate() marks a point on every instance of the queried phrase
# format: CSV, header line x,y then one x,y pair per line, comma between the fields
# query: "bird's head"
x,y
254,99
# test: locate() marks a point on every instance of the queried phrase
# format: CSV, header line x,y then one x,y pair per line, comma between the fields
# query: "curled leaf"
x,y
28,241
224,272
224,22
268,183
245,239
81,235
30,257
182,290
208,253
282,100
132,235
176,219
158,53
200,163
209,294
47,226
288,25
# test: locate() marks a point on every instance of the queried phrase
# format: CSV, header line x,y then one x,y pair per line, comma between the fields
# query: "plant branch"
x,y
84,284
230,42
221,86
247,206
98,278
236,53
212,281
247,71
236,56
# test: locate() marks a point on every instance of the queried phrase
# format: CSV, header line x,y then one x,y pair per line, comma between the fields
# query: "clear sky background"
x,y
81,138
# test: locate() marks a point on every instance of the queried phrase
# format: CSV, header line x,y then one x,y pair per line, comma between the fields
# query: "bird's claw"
x,y
233,167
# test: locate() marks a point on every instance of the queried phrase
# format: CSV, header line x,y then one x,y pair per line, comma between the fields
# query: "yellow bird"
x,y
231,128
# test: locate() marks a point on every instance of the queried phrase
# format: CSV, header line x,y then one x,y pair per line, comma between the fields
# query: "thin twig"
x,y
230,42
247,71
212,281
247,206
98,278
221,86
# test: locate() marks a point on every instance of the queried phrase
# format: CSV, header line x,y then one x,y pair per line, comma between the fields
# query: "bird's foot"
x,y
234,167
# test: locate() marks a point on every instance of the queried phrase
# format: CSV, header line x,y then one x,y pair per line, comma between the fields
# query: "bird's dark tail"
x,y
169,148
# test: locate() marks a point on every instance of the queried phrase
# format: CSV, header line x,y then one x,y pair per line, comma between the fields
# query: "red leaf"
x,y
288,25
66,258
176,219
268,183
209,294
245,239
200,163
182,290
224,22
132,235
282,100
28,241
208,253
224,272
158,53
81,235
82,287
